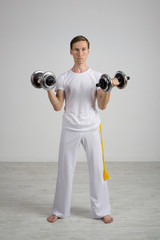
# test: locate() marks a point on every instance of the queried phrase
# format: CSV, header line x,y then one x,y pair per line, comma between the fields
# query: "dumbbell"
x,y
45,80
105,82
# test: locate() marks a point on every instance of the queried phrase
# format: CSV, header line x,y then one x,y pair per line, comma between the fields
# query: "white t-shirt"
x,y
80,112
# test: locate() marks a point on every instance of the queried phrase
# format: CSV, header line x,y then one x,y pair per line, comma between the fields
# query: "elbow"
x,y
57,109
102,107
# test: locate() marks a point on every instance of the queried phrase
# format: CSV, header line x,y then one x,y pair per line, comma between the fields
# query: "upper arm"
x,y
60,96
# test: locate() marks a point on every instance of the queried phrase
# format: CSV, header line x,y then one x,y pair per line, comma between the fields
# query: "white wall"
x,y
124,35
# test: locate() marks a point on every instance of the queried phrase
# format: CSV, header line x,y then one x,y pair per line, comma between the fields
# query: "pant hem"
x,y
95,217
60,215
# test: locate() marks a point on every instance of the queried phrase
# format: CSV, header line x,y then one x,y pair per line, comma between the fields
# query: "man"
x,y
80,124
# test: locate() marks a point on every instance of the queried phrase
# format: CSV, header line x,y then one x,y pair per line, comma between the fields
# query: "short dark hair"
x,y
78,39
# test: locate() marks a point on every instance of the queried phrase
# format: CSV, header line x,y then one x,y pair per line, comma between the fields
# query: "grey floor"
x,y
27,192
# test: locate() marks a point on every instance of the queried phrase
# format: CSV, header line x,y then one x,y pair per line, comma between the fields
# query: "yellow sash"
x,y
105,173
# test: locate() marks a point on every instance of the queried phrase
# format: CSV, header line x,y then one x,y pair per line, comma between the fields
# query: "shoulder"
x,y
61,76
64,74
96,74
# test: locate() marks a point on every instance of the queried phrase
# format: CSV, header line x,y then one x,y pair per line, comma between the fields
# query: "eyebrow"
x,y
80,48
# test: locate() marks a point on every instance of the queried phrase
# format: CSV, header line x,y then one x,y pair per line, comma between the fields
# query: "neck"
x,y
79,68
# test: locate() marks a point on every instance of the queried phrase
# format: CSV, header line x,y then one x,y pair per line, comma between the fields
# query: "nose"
x,y
80,53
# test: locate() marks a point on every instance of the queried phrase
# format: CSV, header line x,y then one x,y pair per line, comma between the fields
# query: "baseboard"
x,y
81,159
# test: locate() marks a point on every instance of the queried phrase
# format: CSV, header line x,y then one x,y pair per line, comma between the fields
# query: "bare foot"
x,y
52,218
107,219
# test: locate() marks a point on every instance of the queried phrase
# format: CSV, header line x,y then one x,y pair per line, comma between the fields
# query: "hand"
x,y
39,78
115,82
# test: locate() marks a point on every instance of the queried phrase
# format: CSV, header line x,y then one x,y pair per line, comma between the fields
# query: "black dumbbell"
x,y
45,80
105,82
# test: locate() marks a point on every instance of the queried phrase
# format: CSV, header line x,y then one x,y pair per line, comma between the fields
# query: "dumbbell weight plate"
x,y
35,77
105,83
48,80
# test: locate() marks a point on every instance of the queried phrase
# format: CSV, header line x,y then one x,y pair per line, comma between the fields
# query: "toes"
x,y
106,220
49,220
52,218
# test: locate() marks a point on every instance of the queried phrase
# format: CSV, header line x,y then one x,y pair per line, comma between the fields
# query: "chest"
x,y
80,85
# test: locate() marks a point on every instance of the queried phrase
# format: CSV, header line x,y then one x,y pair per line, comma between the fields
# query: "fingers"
x,y
115,82
39,80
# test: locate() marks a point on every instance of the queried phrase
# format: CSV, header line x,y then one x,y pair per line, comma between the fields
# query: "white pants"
x,y
99,196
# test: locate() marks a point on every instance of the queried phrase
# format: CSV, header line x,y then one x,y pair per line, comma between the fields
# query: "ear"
x,y
71,52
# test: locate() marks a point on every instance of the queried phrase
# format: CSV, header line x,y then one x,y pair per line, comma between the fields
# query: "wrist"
x,y
107,93
49,91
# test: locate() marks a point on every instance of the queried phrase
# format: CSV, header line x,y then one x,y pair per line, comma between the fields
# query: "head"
x,y
79,49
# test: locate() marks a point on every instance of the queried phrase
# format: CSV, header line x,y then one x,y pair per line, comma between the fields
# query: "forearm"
x,y
104,100
54,101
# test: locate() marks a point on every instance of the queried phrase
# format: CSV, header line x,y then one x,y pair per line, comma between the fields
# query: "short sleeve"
x,y
60,83
98,75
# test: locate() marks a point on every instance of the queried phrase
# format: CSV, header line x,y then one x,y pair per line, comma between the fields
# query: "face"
x,y
80,52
